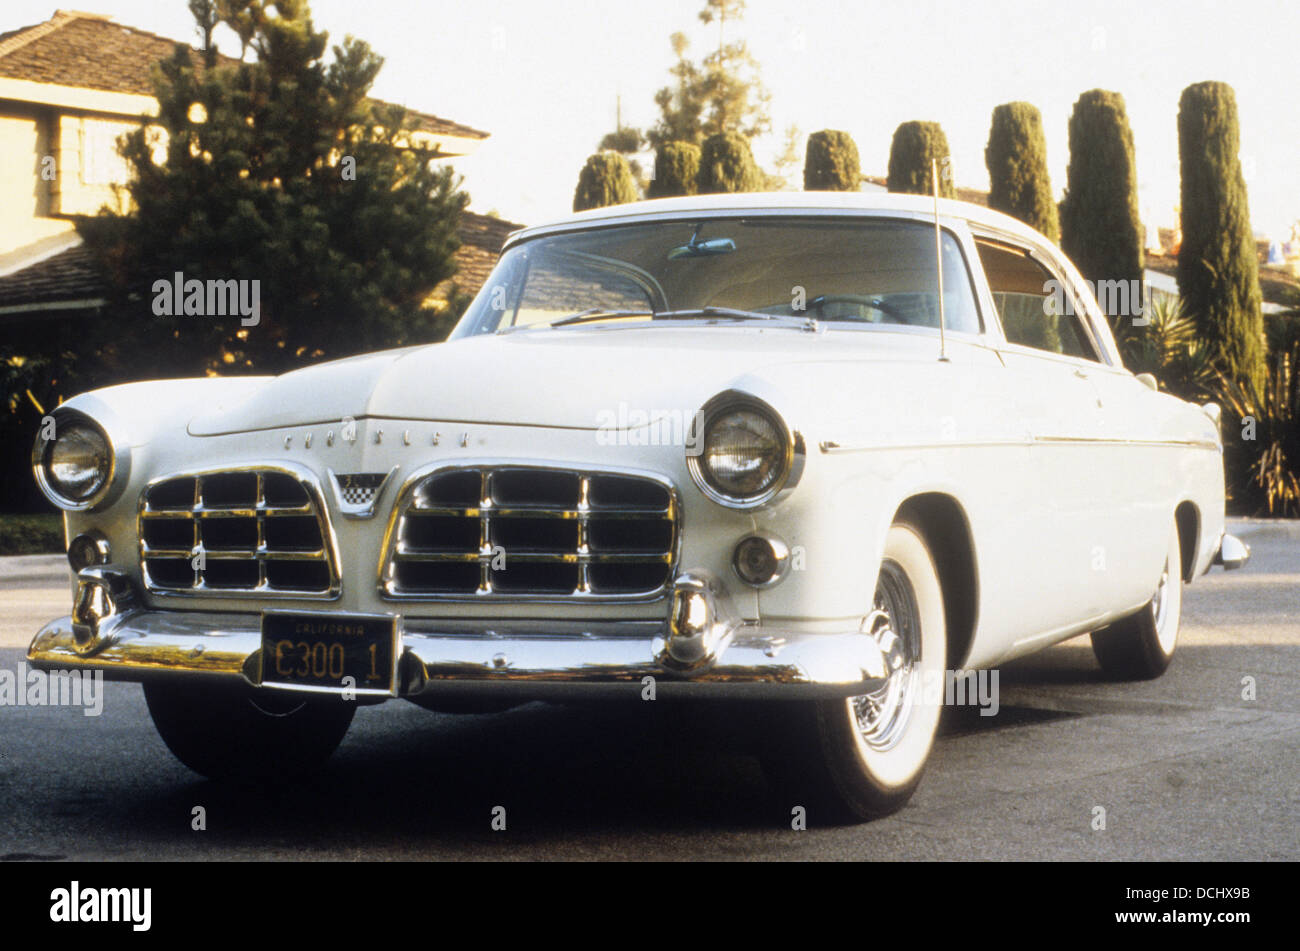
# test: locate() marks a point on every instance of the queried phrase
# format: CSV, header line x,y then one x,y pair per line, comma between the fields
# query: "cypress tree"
x,y
831,163
1218,270
677,168
1100,227
915,145
1016,157
606,179
727,165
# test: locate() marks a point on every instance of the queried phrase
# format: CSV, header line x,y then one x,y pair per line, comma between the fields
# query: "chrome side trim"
x,y
1156,443
832,446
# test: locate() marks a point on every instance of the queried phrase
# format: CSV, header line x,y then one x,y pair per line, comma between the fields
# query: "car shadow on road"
x,y
552,768
405,776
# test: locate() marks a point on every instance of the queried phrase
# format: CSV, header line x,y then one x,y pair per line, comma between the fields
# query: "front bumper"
x,y
700,650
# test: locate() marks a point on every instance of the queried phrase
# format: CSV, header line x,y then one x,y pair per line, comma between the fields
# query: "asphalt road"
x,y
1184,767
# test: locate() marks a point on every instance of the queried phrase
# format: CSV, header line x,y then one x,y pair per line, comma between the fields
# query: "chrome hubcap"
x,y
1160,603
894,623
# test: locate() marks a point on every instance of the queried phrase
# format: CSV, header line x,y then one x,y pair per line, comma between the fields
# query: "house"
x,y
68,88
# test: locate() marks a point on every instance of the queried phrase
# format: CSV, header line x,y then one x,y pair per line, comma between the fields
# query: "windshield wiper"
x,y
692,313
599,313
807,323
731,312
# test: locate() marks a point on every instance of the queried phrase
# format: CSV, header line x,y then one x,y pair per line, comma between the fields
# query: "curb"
x,y
1273,529
26,570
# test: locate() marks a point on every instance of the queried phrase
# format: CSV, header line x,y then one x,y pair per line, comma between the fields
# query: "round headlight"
x,y
78,461
744,453
77,464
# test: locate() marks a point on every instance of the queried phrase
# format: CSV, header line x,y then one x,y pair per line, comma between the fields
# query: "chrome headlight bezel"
x,y
792,451
119,460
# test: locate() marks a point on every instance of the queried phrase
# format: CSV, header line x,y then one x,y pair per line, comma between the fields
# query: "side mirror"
x,y
1149,381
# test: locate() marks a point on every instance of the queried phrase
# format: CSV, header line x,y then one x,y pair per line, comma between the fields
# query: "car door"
x,y
1066,509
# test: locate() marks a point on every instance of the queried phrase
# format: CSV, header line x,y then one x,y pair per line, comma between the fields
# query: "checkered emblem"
x,y
357,492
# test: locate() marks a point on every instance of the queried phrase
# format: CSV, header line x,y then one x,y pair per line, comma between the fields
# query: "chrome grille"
x,y
525,531
238,531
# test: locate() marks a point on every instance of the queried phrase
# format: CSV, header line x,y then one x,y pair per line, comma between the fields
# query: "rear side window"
x,y
1036,306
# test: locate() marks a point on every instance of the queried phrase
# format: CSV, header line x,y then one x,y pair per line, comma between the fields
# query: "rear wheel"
x,y
242,733
1140,646
862,757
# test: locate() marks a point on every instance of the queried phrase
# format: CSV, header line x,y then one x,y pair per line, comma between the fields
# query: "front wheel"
x,y
237,732
862,757
1140,646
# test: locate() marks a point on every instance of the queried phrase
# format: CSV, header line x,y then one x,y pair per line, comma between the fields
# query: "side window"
x,y
1036,308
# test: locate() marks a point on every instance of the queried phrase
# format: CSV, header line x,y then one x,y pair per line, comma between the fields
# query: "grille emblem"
x,y
357,492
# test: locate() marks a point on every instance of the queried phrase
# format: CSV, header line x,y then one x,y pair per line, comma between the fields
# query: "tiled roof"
x,y
67,276
89,50
481,237
71,276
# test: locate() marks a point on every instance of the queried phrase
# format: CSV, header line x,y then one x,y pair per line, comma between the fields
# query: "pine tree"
x,y
1016,157
734,95
677,170
282,171
1100,227
727,165
1218,270
604,180
682,104
722,93
832,163
915,146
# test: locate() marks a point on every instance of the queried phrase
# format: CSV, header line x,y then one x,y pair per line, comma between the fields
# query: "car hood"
x,y
568,378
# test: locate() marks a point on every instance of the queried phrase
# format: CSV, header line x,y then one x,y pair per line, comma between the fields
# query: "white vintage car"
x,y
756,447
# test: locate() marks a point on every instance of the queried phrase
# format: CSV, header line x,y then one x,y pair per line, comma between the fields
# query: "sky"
x,y
543,77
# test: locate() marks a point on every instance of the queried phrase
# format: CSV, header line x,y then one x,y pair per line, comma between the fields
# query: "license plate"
x,y
330,652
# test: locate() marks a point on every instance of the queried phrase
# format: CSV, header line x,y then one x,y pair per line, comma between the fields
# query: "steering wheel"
x,y
860,300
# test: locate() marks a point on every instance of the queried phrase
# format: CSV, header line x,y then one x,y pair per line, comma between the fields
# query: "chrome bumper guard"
x,y
700,650
1233,553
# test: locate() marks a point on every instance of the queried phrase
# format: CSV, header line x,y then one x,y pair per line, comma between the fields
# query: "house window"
x,y
100,163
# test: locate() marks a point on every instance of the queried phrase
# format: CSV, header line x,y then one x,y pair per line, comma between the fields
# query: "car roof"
x,y
873,202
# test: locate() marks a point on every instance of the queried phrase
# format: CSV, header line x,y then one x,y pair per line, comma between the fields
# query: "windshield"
x,y
852,272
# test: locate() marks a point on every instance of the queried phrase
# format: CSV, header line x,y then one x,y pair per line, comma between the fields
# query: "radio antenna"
x,y
938,256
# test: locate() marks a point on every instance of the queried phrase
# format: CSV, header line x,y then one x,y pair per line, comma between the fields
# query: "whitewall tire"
x,y
1140,646
862,757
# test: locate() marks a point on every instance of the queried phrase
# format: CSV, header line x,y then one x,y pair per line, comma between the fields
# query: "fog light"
x,y
87,549
761,560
